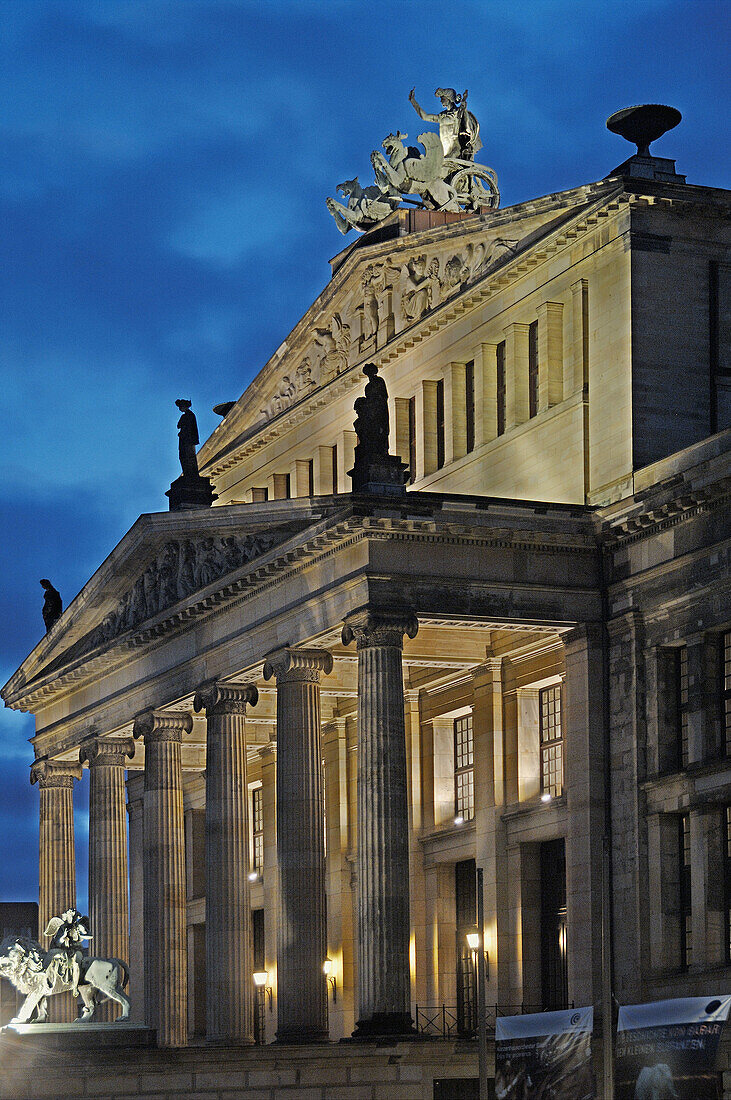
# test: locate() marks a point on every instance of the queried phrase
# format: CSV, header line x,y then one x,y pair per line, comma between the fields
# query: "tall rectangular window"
x,y
469,374
465,911
335,468
726,689
440,423
500,395
412,439
726,858
257,830
533,369
464,789
682,705
288,486
686,923
311,478
551,736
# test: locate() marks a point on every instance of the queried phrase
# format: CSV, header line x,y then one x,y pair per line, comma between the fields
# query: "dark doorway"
x,y
554,969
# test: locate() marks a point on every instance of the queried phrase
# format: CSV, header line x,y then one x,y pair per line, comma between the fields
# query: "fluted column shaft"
x,y
56,855
302,931
166,978
229,992
384,985
108,883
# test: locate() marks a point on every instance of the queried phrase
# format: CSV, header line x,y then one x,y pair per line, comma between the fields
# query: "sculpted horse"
x,y
366,205
26,966
409,171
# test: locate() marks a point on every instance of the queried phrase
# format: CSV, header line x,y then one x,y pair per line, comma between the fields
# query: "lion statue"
x,y
26,966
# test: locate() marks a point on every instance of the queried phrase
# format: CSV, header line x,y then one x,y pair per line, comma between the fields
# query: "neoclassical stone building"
x,y
330,707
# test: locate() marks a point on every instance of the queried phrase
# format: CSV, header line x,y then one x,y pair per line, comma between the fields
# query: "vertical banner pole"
x,y
481,978
607,1020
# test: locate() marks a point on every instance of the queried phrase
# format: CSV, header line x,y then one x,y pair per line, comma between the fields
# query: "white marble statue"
x,y
28,967
444,175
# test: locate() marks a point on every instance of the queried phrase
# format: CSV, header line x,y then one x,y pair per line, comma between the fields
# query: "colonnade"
x,y
383,847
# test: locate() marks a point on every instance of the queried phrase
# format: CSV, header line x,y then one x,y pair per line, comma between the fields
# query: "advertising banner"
x,y
546,1054
666,1049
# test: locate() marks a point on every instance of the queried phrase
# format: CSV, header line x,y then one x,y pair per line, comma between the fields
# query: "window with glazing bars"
x,y
726,689
257,829
412,439
469,373
551,734
682,708
500,383
726,856
440,423
533,369
464,788
686,922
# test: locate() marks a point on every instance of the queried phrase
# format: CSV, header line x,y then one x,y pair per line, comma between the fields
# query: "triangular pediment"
x,y
166,564
383,284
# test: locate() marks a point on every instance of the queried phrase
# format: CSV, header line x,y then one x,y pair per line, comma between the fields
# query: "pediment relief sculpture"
x,y
442,173
335,344
181,568
290,389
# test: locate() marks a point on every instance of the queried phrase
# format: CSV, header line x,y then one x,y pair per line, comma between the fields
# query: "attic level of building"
x,y
523,353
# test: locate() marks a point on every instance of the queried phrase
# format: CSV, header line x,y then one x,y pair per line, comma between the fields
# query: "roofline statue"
x,y
443,173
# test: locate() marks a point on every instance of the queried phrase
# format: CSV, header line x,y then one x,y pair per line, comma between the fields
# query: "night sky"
x,y
163,177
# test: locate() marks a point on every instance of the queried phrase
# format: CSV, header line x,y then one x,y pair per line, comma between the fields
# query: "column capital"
x,y
298,664
54,773
104,750
375,627
162,725
216,697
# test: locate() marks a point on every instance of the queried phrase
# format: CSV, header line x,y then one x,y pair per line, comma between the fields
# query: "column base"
x,y
386,1025
298,1036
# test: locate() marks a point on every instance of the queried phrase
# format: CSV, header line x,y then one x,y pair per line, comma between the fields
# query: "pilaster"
x,y
516,375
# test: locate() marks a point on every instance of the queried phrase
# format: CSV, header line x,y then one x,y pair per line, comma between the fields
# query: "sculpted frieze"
x,y
181,568
290,389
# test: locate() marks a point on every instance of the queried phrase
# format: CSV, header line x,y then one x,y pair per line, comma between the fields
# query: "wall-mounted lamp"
x,y
327,971
459,819
546,796
253,876
261,977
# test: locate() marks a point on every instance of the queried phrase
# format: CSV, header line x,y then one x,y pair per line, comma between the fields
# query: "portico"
x,y
461,613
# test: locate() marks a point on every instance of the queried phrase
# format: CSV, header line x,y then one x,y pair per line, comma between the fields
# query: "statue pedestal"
x,y
78,1035
385,475
190,492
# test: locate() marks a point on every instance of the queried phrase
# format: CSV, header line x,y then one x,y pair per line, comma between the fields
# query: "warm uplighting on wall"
x,y
327,971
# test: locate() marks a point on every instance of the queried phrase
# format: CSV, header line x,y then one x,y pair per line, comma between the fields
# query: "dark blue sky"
x,y
163,178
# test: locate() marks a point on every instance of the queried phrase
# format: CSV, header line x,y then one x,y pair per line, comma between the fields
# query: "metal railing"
x,y
449,1022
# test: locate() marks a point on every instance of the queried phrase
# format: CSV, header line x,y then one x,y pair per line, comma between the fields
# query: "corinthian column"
x,y
302,939
229,992
108,885
384,986
56,854
166,979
